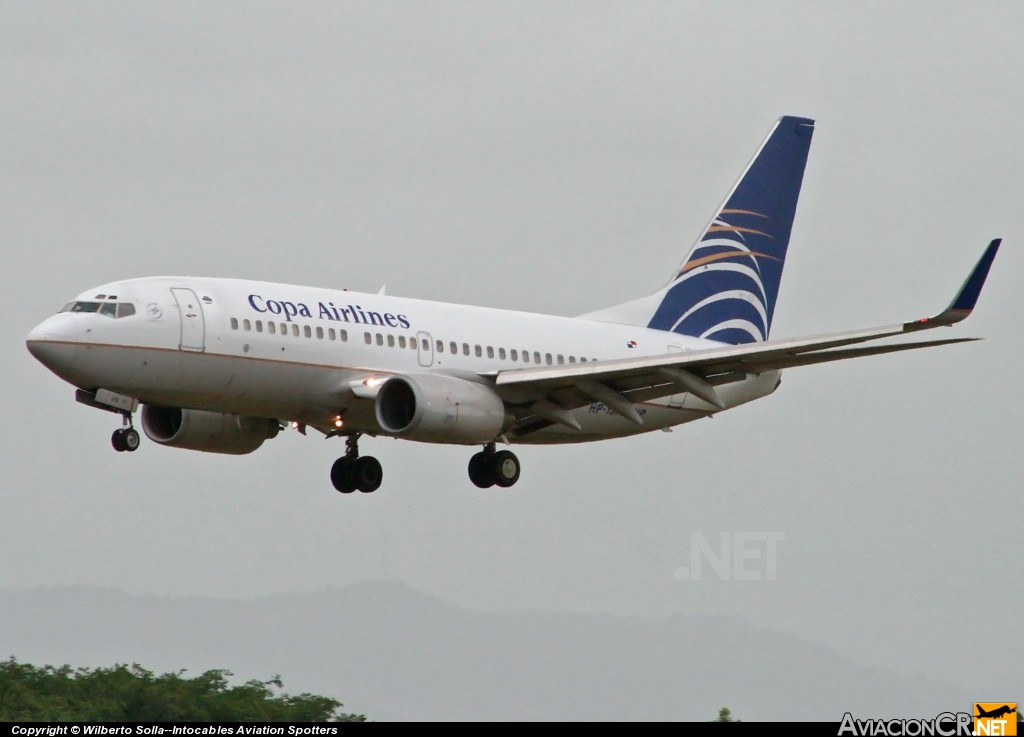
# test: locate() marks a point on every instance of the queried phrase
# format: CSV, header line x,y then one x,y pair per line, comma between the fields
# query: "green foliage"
x,y
724,715
133,694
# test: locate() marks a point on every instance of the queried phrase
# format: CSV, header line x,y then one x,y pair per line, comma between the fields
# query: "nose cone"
x,y
36,340
52,346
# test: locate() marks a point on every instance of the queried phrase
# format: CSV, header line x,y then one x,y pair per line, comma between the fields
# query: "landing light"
x,y
295,425
338,422
373,381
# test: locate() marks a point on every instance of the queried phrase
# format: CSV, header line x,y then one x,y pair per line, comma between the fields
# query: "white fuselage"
x,y
294,353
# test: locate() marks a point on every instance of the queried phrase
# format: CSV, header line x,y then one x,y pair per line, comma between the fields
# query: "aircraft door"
x,y
426,349
193,326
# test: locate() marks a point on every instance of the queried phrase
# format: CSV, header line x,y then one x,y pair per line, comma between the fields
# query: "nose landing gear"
x,y
127,438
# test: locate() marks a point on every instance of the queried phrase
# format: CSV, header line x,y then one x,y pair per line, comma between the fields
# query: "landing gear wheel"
x,y
505,468
350,472
130,439
480,470
368,474
117,441
343,476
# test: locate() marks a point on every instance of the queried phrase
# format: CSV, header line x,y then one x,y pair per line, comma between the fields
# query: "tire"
x,y
505,468
343,476
480,471
368,474
130,439
117,441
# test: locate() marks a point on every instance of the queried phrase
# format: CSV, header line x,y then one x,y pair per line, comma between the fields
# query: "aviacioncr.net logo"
x,y
995,718
946,724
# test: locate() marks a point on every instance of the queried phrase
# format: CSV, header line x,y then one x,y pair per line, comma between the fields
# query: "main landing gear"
x,y
127,438
489,467
350,472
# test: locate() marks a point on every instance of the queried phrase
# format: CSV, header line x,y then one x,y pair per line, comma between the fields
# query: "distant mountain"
x,y
393,653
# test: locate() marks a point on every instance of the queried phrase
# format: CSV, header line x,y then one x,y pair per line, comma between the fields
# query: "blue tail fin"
x,y
726,288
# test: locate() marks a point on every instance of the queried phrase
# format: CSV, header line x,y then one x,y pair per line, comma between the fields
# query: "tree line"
x,y
130,693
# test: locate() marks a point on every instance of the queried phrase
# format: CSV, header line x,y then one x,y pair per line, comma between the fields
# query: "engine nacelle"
x,y
440,409
212,432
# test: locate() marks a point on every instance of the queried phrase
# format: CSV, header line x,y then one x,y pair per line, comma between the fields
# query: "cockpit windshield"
x,y
111,309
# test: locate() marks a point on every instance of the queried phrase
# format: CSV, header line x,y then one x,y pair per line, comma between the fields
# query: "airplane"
x,y
996,713
222,365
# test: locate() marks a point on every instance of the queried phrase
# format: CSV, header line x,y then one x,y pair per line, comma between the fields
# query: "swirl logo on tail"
x,y
727,286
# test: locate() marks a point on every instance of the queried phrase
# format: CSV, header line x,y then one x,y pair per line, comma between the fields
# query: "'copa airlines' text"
x,y
328,311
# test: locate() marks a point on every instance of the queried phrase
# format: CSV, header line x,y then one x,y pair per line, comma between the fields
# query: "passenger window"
x,y
455,348
547,358
271,328
331,334
295,330
490,352
401,341
501,353
440,346
425,344
477,350
259,326
343,334
234,323
560,358
572,359
367,338
391,341
514,354
308,331
526,356
536,356
465,349
380,339
246,325
319,333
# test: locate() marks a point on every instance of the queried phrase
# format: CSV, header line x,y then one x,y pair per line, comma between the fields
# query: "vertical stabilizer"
x,y
727,286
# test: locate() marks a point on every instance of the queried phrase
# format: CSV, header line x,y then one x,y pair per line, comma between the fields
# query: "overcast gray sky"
x,y
551,157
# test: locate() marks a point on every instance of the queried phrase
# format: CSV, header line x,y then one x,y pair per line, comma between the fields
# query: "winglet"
x,y
967,297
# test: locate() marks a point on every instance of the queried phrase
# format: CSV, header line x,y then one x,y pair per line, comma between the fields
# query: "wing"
x,y
550,393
